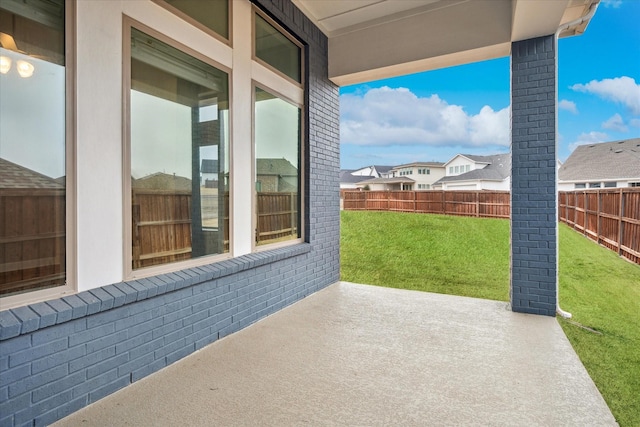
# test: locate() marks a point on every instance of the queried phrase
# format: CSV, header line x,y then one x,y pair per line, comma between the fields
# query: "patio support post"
x,y
533,176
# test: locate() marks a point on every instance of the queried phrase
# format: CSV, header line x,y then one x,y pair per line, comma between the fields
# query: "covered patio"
x,y
362,355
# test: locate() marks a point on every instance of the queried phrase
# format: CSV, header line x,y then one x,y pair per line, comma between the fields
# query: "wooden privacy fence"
x,y
610,217
32,239
478,203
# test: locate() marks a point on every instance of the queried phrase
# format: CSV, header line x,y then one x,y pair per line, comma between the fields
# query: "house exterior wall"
x,y
60,355
461,161
592,184
534,237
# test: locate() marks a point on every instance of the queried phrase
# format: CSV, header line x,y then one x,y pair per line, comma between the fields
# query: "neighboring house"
x,y
348,180
162,181
276,175
375,171
15,176
423,174
209,173
350,177
470,172
121,82
387,184
604,165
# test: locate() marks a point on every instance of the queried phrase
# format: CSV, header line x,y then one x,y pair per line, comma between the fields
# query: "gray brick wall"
x,y
533,179
63,354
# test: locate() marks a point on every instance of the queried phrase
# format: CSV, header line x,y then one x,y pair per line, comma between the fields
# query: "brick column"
x,y
533,176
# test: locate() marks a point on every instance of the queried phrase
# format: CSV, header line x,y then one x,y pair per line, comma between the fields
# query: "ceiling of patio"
x,y
374,39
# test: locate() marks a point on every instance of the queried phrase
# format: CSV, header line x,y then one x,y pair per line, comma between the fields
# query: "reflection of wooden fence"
x,y
32,239
486,204
277,216
162,224
161,227
610,217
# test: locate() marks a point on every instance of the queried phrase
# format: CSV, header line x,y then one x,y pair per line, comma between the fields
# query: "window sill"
x,y
22,320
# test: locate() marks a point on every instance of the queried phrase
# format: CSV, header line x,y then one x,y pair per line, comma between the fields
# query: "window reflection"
x,y
32,146
277,148
179,154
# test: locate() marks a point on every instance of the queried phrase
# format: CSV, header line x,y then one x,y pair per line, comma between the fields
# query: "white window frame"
x,y
70,286
273,81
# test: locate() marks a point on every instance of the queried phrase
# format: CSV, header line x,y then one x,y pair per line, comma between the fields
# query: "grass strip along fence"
x,y
610,217
470,257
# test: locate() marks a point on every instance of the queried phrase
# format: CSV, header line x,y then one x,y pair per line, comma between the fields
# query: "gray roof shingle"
x,y
16,176
604,161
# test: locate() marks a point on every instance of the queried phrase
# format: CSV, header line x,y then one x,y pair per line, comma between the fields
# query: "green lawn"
x,y
470,257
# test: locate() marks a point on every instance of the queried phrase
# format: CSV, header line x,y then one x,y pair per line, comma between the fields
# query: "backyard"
x,y
470,257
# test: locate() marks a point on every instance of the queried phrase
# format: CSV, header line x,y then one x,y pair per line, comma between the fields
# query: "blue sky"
x,y
434,115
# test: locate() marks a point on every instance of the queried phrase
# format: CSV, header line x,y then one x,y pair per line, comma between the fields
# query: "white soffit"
x,y
373,39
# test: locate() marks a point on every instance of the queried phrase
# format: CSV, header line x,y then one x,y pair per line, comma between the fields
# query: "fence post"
x,y
586,213
444,208
599,218
620,222
477,203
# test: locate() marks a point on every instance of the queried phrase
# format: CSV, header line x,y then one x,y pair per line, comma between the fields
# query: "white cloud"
x,y
612,3
635,123
568,105
388,116
616,123
589,138
623,90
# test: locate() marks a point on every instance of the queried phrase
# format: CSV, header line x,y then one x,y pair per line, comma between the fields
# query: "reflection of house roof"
x,y
498,169
397,180
162,181
280,167
16,176
209,166
607,160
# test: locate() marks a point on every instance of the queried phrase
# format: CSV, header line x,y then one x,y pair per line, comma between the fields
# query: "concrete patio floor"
x,y
368,356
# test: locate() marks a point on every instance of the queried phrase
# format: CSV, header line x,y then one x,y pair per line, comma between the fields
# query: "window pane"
x,y
32,146
179,154
277,148
277,50
212,14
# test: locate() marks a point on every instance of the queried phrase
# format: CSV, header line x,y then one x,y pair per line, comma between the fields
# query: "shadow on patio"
x,y
363,355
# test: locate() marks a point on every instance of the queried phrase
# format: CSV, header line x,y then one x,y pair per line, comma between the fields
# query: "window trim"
x,y
128,272
192,21
301,172
70,286
256,11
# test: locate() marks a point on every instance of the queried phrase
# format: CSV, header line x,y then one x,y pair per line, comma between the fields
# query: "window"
x,y
610,184
211,16
457,169
428,171
634,184
467,168
594,185
277,49
450,170
277,168
580,186
32,146
179,154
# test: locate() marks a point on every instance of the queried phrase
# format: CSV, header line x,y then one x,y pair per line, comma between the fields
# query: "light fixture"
x,y
5,64
25,69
